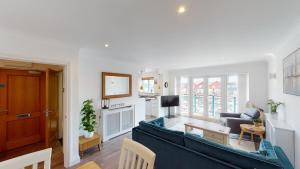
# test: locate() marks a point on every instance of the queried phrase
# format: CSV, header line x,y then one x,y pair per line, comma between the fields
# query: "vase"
x,y
88,134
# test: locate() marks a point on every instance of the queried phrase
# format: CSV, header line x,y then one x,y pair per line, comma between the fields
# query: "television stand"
x,y
169,114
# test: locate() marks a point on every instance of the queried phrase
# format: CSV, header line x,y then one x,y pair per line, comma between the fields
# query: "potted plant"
x,y
88,120
273,105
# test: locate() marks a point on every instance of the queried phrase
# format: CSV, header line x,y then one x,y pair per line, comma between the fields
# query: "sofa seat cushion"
x,y
225,153
176,137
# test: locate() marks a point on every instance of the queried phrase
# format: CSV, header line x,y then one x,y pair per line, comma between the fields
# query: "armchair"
x,y
233,120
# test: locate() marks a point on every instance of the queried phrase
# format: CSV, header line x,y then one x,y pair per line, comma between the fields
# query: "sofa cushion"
x,y
267,149
225,153
160,122
176,137
253,113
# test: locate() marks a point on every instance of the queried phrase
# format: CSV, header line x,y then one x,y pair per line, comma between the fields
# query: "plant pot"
x,y
88,134
274,115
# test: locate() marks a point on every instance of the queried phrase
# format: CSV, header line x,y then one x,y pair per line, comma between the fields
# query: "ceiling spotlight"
x,y
106,45
269,54
181,9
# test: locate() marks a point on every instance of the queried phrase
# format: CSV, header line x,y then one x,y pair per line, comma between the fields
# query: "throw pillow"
x,y
253,113
160,122
245,116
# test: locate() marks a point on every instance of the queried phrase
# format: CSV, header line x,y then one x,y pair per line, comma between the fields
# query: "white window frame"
x,y
224,80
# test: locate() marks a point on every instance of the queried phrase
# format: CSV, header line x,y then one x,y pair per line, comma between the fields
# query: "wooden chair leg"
x,y
261,137
99,147
241,136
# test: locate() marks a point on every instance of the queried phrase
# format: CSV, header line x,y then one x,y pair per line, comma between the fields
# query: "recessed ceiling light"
x,y
106,45
269,54
181,9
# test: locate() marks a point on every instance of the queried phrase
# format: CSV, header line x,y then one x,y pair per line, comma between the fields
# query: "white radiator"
x,y
114,122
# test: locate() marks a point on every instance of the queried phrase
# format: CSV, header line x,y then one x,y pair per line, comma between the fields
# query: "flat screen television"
x,y
169,101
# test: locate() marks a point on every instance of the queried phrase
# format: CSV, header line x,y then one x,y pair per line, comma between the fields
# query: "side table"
x,y
86,143
252,129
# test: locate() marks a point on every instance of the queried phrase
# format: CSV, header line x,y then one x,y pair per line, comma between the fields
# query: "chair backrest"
x,y
31,159
135,156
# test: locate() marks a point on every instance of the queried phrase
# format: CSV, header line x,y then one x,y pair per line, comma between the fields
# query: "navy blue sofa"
x,y
176,150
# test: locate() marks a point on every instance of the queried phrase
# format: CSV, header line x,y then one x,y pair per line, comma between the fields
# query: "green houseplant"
x,y
274,105
88,120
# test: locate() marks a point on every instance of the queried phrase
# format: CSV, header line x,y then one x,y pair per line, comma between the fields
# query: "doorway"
x,y
31,107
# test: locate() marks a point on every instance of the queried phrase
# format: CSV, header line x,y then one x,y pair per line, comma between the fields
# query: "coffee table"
x,y
211,131
252,129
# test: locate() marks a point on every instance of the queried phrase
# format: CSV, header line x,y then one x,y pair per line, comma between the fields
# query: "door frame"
x,y
68,134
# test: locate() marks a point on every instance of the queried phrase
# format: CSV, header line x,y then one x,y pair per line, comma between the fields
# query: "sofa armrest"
x,y
236,115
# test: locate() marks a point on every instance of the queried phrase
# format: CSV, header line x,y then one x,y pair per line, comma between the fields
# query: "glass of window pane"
x,y
184,95
151,86
214,96
145,86
198,96
232,94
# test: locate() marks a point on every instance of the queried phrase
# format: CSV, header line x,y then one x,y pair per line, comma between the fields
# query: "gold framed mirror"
x,y
116,85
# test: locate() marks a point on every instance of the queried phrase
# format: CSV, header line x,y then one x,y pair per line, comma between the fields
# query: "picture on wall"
x,y
291,73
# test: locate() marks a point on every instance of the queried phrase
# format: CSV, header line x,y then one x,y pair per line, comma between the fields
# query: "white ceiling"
x,y
150,32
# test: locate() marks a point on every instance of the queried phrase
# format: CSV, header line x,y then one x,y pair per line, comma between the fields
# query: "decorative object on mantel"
x,y
273,105
88,120
105,103
291,73
273,108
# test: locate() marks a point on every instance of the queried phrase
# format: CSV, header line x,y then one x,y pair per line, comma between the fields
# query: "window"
x,y
209,96
232,93
198,96
214,96
148,85
184,95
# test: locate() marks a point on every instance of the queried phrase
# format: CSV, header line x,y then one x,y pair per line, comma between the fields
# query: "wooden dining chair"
x,y
135,156
28,160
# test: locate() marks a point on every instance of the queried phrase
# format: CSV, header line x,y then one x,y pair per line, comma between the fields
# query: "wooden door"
x,y
52,107
20,108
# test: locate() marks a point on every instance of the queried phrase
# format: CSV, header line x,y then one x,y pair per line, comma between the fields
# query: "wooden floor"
x,y
108,157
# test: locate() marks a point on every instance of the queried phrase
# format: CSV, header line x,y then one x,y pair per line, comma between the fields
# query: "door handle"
x,y
23,115
47,112
1,111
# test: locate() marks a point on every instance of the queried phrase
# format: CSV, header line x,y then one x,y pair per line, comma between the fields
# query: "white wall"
x,y
257,72
91,65
291,109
